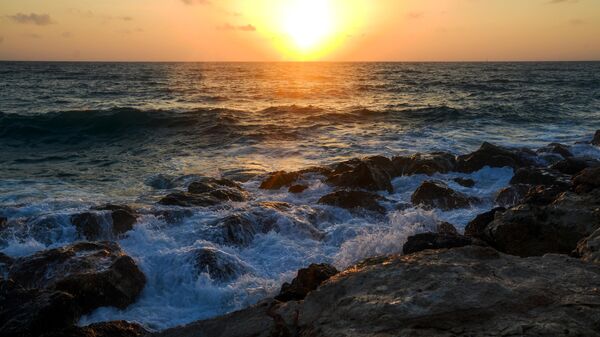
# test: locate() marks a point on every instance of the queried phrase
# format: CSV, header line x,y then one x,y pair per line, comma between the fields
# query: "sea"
x,y
78,135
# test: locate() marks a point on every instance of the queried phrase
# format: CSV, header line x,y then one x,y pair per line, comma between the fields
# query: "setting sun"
x,y
308,23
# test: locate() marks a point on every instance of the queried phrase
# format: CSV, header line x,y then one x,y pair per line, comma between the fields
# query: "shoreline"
x,y
550,207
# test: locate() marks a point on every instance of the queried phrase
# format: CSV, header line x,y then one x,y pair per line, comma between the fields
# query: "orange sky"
x,y
280,30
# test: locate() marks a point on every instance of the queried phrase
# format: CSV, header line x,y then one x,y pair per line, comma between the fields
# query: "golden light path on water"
x,y
308,30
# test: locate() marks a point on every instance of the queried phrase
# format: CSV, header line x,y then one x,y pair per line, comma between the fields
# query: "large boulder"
x,y
587,180
354,200
529,230
436,194
240,229
512,195
468,291
98,225
424,241
540,176
369,174
279,179
31,312
186,199
221,266
556,148
476,226
96,274
495,156
573,166
307,280
207,192
596,140
429,164
588,249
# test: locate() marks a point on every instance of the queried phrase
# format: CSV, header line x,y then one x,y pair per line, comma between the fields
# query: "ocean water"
x,y
77,135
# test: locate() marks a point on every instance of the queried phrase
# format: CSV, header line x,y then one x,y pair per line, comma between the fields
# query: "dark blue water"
x,y
75,135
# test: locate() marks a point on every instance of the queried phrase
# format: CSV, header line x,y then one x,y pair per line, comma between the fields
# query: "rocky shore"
x,y
528,267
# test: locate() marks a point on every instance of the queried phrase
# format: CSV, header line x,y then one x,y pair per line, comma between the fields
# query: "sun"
x,y
308,24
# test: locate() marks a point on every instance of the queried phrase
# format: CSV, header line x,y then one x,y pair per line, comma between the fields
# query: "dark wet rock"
x,y
279,179
31,312
3,222
446,228
172,216
229,194
543,195
573,166
556,148
467,291
354,200
495,156
5,263
588,249
96,274
240,229
436,194
512,195
123,217
596,140
540,176
185,199
275,205
476,226
210,184
89,225
423,241
368,174
297,188
586,201
587,180
219,265
464,182
436,162
529,230
103,329
307,280
95,226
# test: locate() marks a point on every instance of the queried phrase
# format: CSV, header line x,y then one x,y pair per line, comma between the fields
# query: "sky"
x,y
300,30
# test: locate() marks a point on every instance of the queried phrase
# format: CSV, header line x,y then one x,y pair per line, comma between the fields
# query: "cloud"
x,y
196,2
243,28
32,18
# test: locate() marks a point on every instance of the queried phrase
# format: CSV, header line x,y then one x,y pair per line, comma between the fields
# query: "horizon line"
x,y
300,61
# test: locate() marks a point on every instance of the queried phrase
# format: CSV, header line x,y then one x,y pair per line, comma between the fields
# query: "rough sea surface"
x,y
78,135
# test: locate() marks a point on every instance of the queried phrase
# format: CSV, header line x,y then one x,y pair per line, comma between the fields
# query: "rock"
x,y
476,226
529,230
512,195
211,184
436,162
446,228
542,195
588,249
240,229
3,222
573,166
464,182
494,156
297,188
468,291
221,266
540,176
96,274
596,140
5,263
275,205
423,241
366,174
31,312
556,148
185,199
123,217
354,200
436,194
103,329
587,180
307,280
279,179
95,226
